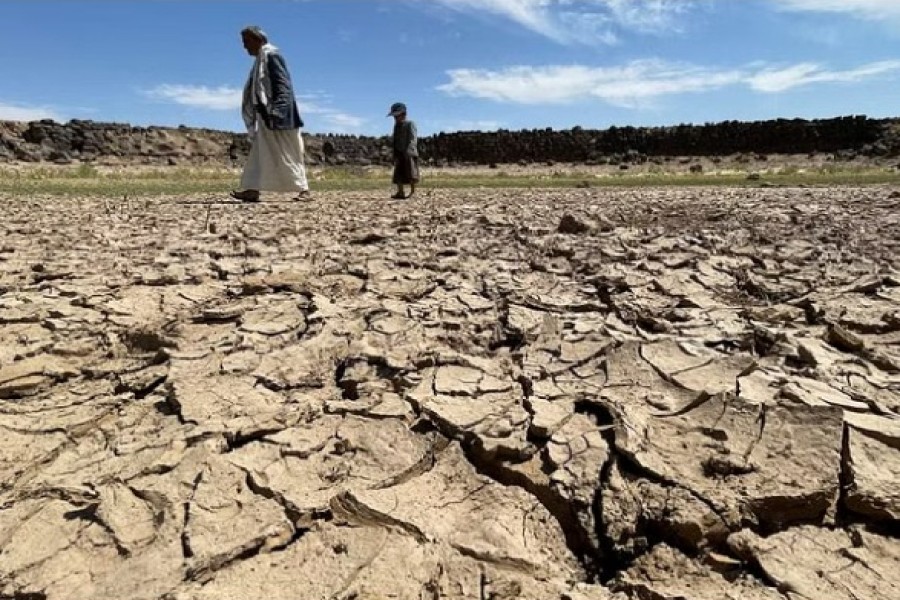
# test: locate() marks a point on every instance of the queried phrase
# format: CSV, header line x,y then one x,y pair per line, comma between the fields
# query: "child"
x,y
406,152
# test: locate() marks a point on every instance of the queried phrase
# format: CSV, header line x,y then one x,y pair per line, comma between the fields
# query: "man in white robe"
x,y
273,123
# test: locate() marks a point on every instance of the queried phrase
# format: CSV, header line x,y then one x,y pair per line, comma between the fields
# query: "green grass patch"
x,y
87,180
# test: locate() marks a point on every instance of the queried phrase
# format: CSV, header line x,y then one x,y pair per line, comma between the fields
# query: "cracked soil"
x,y
655,394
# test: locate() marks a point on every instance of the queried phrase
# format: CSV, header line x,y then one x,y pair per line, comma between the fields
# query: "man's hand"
x,y
272,117
264,116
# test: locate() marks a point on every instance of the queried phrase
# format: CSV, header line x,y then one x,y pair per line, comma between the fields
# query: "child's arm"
x,y
412,149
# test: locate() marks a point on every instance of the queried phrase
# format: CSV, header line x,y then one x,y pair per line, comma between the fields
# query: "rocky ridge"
x,y
588,394
109,143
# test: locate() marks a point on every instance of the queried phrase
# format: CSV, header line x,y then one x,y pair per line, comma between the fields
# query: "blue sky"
x,y
459,64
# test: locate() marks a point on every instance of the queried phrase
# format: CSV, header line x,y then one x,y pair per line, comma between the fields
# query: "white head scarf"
x,y
258,89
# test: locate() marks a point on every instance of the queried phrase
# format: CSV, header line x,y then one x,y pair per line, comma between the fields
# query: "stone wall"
x,y
628,144
112,143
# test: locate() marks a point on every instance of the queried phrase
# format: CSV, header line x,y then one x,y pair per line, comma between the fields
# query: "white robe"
x,y
276,162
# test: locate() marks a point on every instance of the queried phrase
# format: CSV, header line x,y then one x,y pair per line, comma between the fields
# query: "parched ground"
x,y
637,394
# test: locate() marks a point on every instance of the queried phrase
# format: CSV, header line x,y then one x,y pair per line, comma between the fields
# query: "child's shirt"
x,y
406,138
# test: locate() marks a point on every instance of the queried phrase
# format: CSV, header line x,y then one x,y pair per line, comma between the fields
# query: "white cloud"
x,y
779,80
229,98
628,85
640,82
340,122
199,96
867,9
335,120
648,15
484,125
602,21
19,112
583,21
464,125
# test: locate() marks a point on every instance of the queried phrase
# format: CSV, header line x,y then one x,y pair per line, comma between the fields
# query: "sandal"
x,y
245,195
305,195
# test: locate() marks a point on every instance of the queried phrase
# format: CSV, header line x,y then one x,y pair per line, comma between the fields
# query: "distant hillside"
x,y
112,143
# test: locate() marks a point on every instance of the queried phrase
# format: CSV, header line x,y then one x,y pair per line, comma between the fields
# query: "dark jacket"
x,y
283,112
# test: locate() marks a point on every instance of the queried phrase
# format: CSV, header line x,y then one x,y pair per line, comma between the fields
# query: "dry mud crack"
x,y
647,394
